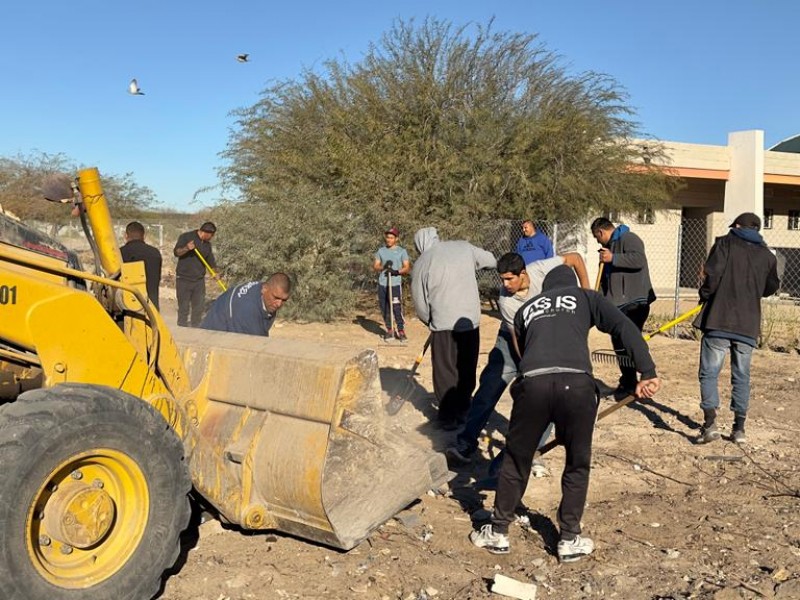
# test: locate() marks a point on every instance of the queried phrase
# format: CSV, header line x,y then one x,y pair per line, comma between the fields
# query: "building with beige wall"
x,y
720,182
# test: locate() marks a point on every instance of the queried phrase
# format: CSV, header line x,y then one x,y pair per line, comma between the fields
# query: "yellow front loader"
x,y
107,422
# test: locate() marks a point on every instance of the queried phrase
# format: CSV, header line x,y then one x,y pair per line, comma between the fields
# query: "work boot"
x,y
574,549
493,541
708,434
737,434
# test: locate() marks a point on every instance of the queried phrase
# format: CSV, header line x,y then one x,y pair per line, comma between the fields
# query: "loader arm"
x,y
276,434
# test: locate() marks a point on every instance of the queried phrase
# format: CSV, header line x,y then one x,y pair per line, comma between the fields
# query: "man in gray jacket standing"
x,y
626,283
446,299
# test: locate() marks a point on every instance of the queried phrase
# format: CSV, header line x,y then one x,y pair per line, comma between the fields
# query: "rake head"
x,y
612,357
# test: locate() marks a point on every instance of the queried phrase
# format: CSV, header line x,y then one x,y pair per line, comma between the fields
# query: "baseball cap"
x,y
394,231
208,227
750,220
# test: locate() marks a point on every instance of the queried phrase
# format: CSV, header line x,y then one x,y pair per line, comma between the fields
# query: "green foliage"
x,y
446,126
21,179
305,236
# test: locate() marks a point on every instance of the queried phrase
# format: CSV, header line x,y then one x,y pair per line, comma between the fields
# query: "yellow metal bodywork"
x,y
87,518
278,434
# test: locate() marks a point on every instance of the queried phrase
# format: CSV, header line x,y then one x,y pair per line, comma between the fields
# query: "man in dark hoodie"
x,y
446,299
557,386
739,271
626,282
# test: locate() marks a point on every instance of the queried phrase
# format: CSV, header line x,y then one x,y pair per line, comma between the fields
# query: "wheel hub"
x,y
79,515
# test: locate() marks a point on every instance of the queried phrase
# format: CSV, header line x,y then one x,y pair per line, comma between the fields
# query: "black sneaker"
x,y
458,456
450,424
388,336
401,335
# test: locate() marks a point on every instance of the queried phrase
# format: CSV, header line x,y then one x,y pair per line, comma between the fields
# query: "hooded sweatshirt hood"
x,y
426,238
749,235
560,277
619,231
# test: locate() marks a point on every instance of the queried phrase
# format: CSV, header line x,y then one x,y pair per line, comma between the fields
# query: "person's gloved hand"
x,y
393,272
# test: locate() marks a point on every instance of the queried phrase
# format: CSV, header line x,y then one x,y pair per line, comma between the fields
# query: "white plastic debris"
x,y
506,586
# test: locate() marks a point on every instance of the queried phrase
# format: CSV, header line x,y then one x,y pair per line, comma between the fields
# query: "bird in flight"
x,y
242,57
133,88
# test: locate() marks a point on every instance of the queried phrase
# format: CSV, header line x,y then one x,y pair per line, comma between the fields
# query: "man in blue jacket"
x,y
533,245
250,307
739,271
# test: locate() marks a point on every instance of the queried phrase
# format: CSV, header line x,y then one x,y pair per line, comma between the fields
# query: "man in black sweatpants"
x,y
557,386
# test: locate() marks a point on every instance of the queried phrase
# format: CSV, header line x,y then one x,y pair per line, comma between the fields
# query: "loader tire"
x,y
93,497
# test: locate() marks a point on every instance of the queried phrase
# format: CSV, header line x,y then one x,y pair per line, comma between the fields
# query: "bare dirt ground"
x,y
670,519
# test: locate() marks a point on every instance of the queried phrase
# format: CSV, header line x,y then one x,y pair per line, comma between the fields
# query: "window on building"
x,y
646,217
794,220
768,214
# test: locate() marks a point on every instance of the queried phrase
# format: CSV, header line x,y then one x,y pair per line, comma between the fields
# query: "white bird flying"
x,y
133,88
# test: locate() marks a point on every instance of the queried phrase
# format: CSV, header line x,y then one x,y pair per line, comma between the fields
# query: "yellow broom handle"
x,y
599,277
683,317
210,270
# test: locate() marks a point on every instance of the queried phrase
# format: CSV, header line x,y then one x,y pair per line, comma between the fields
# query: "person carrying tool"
x,y
626,283
533,245
557,387
249,308
446,299
135,249
739,271
520,283
392,261
191,249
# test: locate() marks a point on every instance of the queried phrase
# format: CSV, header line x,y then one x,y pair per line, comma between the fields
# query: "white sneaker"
x,y
486,537
539,469
572,550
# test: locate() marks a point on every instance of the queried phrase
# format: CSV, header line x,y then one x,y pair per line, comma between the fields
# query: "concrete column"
x,y
744,190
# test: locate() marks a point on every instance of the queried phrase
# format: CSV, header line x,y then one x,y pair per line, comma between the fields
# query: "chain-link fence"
x,y
676,249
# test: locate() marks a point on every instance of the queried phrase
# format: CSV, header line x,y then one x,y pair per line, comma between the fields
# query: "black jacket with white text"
x,y
553,327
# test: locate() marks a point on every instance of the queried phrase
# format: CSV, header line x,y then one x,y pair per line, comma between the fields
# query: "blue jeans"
x,y
712,357
496,376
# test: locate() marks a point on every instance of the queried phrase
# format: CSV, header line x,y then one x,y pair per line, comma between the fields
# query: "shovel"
x,y
397,400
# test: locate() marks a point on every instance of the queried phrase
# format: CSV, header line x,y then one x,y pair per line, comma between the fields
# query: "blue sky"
x,y
695,69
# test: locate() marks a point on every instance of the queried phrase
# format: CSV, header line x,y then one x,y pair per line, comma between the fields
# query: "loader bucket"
x,y
293,436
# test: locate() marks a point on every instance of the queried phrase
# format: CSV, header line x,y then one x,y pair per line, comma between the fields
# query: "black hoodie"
x,y
553,328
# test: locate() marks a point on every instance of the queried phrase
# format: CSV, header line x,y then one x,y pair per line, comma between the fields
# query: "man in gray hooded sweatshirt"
x,y
446,299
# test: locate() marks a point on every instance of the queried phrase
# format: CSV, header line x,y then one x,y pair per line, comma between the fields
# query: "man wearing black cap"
x,y
392,261
190,274
739,271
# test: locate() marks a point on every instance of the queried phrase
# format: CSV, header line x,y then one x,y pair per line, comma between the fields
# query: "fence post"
x,y
678,278
555,239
